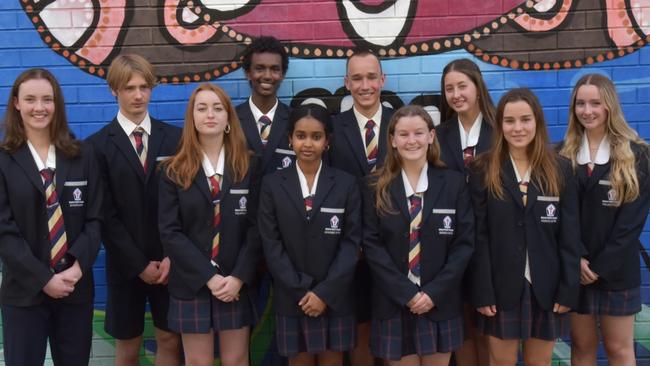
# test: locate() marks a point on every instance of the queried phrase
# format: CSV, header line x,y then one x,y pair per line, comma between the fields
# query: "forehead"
x,y
410,123
266,59
35,87
588,92
309,124
207,97
517,108
366,64
455,77
136,80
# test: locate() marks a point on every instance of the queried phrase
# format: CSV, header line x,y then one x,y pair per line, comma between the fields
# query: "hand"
x,y
560,309
229,290
490,310
72,275
422,305
415,298
57,287
165,264
312,305
151,273
587,276
215,283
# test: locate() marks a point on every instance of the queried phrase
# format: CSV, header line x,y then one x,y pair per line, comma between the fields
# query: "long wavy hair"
x,y
13,125
469,68
623,176
393,163
183,167
544,167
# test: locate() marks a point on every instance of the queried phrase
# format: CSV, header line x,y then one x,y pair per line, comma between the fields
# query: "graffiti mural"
x,y
196,40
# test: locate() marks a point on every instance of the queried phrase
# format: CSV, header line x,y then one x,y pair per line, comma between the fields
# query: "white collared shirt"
x,y
526,179
470,139
129,126
257,113
602,155
362,120
40,164
304,188
423,182
211,170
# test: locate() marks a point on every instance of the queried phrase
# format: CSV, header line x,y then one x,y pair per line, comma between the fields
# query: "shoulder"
x,y
242,107
344,116
165,126
444,126
341,177
100,135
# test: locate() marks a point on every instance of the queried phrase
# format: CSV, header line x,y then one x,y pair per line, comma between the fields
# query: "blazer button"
x,y
520,223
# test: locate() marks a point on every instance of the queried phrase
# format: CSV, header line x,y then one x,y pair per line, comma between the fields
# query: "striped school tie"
x,y
140,149
523,188
309,204
265,130
590,169
468,155
415,213
215,191
371,144
58,238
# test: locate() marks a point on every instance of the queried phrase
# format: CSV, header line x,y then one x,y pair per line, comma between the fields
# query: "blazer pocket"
x,y
74,194
609,198
242,202
334,219
548,208
287,160
444,221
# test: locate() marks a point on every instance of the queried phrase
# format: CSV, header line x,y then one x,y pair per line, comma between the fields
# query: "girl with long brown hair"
x,y
418,239
610,163
524,273
207,227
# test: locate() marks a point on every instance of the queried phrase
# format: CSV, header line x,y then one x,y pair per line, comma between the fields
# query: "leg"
x,y
168,348
199,349
538,352
233,346
71,333
360,355
503,352
302,359
125,308
127,351
24,334
584,339
330,358
467,354
436,359
410,360
618,337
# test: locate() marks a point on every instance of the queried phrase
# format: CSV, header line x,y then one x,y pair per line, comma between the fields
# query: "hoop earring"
x,y
227,129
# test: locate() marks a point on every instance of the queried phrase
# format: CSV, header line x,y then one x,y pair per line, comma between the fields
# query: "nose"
x,y
455,93
364,83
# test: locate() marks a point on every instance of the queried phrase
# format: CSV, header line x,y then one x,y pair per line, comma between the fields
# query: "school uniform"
x,y
311,250
130,231
30,258
457,147
266,134
527,254
440,243
349,152
610,232
188,230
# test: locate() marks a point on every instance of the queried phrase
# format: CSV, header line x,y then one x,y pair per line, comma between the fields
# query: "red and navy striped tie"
x,y
371,144
215,190
140,149
468,155
415,213
56,227
265,130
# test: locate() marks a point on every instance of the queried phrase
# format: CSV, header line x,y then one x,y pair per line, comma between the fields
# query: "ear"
x,y
346,82
382,80
114,93
432,136
392,141
16,105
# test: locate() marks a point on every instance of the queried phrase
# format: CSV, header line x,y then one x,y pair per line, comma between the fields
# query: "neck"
x,y
468,118
264,104
368,112
309,168
594,137
135,118
40,139
413,167
518,154
211,145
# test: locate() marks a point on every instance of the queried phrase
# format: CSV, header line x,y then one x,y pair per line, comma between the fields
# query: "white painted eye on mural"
x,y
68,20
378,24
224,5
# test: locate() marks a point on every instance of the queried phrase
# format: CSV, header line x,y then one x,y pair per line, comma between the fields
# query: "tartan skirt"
x,y
408,333
609,302
298,334
206,313
527,320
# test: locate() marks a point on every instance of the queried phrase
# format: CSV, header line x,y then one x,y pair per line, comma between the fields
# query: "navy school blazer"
x,y
451,153
610,233
24,240
277,154
318,254
347,151
185,217
130,230
505,229
445,248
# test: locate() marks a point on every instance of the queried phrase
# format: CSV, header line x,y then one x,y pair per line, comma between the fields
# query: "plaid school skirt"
x,y
206,313
525,321
609,302
408,334
298,334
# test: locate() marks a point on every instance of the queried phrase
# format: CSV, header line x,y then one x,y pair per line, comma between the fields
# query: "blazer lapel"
x,y
509,182
201,182
485,138
153,147
249,125
26,161
597,174
61,173
399,196
353,136
531,196
292,188
435,185
381,139
325,184
226,182
453,142
121,140
278,131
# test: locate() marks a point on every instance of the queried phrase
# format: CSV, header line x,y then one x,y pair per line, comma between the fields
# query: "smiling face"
x,y
461,93
210,115
590,109
265,74
412,139
35,102
519,125
308,139
365,80
133,98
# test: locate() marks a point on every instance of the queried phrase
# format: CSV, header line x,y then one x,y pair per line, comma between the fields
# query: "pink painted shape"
x,y
183,35
102,42
619,24
532,24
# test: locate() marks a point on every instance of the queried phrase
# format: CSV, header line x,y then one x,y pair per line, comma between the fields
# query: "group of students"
x,y
384,236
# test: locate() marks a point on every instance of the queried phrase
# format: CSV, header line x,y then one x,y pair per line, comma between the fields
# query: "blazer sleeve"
x,y
15,251
277,259
480,268
627,228
460,250
569,243
116,238
251,252
194,269
394,283
86,246
342,268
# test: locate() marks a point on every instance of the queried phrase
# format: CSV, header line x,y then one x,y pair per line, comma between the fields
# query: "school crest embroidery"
x,y
334,228
77,199
611,195
446,222
286,162
550,210
447,228
551,214
76,194
242,206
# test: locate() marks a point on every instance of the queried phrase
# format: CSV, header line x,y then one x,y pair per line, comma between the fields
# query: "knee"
x,y
502,358
619,349
234,357
537,360
198,359
168,342
584,345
